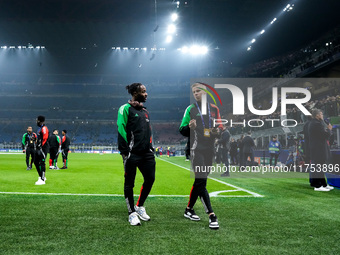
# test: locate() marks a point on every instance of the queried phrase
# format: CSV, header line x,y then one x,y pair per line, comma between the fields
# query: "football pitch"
x,y
82,210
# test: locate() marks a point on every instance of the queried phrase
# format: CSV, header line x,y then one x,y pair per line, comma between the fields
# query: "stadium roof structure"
x,y
227,25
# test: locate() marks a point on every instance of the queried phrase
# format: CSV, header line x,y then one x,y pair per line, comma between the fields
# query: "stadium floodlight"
x,y
136,48
162,49
125,48
30,47
3,47
12,47
254,40
286,8
204,50
24,47
168,39
132,48
37,47
262,32
273,21
113,48
194,49
178,3
185,49
171,29
144,48
19,47
117,48
249,48
174,16
327,44
42,47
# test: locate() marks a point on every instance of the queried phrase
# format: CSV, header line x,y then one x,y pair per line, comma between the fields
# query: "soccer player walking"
x,y
135,146
29,142
42,150
202,136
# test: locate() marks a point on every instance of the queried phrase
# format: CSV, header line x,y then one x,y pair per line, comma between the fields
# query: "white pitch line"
x,y
225,183
11,153
80,194
102,195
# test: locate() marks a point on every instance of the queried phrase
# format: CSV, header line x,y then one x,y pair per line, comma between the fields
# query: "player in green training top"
x,y
135,146
202,135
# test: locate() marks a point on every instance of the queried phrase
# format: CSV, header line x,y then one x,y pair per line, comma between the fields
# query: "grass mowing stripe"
x,y
217,180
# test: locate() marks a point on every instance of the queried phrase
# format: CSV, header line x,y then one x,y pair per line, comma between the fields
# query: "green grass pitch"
x,y
82,211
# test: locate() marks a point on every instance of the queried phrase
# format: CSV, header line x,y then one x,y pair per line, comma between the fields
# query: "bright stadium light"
x,y
125,48
185,49
194,49
249,48
117,48
273,21
171,29
174,16
168,39
286,8
3,47
204,50
262,32
254,40
19,47
144,48
42,47
37,47
12,47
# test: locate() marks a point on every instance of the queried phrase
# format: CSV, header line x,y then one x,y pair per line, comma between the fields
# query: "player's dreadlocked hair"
x,y
41,118
134,87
